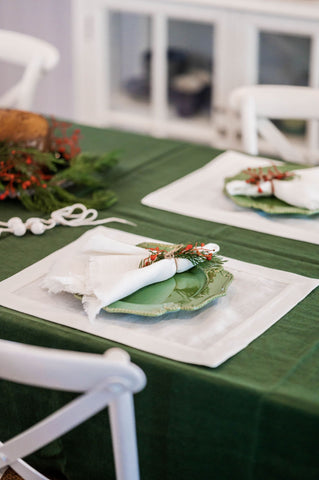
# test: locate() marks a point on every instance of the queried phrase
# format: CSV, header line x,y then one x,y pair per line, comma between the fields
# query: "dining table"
x,y
254,415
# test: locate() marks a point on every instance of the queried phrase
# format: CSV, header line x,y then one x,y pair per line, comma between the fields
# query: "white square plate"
x,y
200,194
206,337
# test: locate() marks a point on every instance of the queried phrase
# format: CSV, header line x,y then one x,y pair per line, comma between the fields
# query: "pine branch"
x,y
53,198
196,253
40,179
85,169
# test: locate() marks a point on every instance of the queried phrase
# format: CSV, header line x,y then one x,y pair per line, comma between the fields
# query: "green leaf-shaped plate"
x,y
268,204
190,290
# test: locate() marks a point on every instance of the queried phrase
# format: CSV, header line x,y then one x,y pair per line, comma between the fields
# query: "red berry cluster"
x,y
257,175
26,169
64,144
13,175
195,253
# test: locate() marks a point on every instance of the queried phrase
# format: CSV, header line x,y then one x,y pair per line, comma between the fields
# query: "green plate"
x,y
190,290
268,204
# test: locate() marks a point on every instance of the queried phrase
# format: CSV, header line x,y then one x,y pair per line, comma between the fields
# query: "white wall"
x,y
49,20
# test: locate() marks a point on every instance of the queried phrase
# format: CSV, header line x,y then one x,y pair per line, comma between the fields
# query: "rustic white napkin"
x,y
300,191
104,270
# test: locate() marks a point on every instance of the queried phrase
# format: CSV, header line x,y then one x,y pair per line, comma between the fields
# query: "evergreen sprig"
x,y
57,197
40,180
87,169
196,253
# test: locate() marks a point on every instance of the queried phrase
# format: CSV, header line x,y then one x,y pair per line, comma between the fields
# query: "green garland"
x,y
46,181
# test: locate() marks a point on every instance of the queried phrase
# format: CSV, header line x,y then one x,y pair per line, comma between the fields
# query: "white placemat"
x,y
200,194
206,337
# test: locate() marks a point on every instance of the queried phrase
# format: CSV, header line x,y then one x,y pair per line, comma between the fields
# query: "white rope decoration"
x,y
64,216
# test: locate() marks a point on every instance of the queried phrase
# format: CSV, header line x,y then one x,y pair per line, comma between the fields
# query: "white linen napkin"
x,y
103,271
300,191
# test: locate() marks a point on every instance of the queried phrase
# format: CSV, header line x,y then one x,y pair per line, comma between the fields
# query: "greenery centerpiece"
x,y
50,174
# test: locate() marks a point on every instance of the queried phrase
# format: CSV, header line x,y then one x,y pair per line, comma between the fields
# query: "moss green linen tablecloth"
x,y
254,417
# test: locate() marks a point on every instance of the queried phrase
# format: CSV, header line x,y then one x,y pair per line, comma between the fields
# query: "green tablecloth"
x,y
254,417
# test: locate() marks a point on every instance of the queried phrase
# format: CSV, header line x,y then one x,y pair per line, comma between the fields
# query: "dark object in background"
x,y
189,88
177,60
291,127
191,92
138,87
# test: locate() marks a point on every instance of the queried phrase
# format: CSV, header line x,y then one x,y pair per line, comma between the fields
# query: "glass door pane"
x,y
190,69
129,61
285,60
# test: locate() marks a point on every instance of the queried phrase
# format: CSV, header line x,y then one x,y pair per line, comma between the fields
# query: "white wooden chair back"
x,y
37,56
104,380
257,104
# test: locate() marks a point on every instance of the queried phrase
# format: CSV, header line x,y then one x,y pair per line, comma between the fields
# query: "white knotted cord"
x,y
66,216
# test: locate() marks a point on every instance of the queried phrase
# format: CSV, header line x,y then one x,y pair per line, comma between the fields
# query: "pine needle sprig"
x,y
22,159
87,170
196,253
56,197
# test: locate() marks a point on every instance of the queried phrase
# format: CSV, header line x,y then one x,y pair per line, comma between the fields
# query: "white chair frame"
x,y
106,380
37,56
257,104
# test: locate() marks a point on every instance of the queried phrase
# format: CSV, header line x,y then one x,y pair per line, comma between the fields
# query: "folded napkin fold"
x,y
302,190
103,271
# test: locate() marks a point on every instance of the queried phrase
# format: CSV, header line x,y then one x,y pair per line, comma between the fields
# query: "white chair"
x,y
37,56
109,379
257,104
